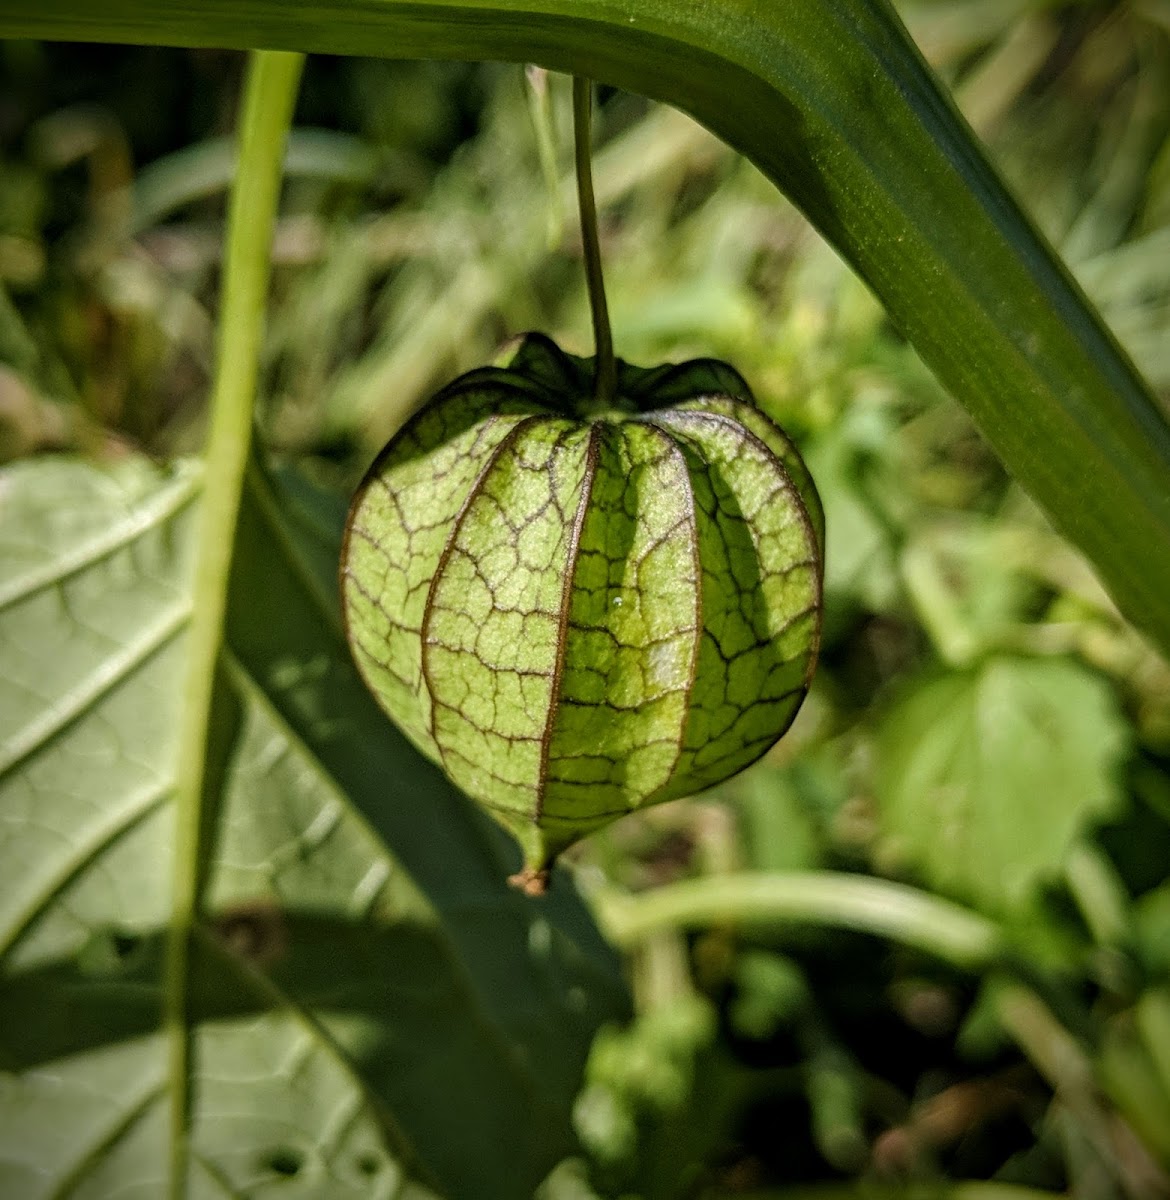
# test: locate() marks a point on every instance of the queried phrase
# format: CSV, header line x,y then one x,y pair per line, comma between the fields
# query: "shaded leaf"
x,y
371,999
986,777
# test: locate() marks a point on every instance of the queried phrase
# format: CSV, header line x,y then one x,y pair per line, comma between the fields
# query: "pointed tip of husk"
x,y
532,881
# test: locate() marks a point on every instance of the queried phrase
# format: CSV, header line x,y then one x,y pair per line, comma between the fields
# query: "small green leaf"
x,y
987,777
370,1001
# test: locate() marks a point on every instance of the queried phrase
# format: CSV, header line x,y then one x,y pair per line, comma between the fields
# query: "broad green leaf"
x,y
832,101
987,777
371,1001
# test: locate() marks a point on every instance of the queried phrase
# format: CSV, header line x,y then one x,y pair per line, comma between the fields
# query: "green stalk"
x,y
1153,1023
269,95
1066,1065
540,109
605,387
819,897
1099,893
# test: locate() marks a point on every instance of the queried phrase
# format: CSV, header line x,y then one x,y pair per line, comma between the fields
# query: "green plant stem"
x,y
1065,1064
1099,894
938,608
1053,1051
269,94
605,388
819,897
1153,1023
540,109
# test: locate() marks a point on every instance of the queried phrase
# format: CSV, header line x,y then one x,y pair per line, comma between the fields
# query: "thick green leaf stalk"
x,y
581,611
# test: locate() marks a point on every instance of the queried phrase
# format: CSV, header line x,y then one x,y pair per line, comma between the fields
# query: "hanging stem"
x,y
605,387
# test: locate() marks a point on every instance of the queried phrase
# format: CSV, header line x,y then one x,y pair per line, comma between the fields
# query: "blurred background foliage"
x,y
983,723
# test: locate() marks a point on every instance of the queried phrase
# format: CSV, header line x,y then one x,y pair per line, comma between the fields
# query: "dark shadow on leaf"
x,y
388,997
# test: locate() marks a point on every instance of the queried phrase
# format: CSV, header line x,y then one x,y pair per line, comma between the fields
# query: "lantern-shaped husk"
x,y
580,613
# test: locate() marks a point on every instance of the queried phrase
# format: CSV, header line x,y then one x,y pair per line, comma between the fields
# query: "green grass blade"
x,y
831,99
